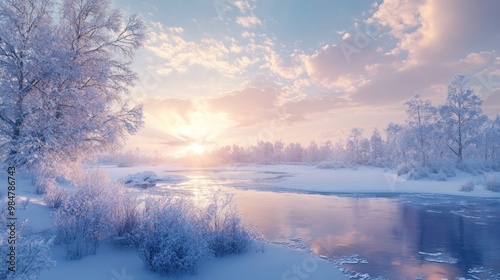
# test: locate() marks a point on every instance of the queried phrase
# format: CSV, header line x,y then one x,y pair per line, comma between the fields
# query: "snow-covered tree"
x,y
339,153
25,28
421,123
462,117
65,69
491,145
365,151
279,151
377,148
395,151
294,152
263,152
313,153
238,154
355,145
326,150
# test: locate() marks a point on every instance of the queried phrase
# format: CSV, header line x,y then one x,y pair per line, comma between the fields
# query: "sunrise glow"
x,y
250,139
196,149
240,72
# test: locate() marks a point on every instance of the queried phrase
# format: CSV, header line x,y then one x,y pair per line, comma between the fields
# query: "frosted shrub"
x,y
33,253
418,173
223,228
127,221
468,186
87,216
492,183
55,196
169,240
42,182
403,170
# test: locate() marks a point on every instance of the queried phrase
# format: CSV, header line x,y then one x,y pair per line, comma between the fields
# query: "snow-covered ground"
x,y
263,261
276,262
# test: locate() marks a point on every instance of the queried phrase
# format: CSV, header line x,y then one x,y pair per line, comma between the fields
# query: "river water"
x,y
399,236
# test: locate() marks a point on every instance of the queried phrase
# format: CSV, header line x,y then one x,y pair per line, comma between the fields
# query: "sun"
x,y
196,148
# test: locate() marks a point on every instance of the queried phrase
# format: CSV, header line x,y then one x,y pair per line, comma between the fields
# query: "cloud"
x,y
180,54
401,16
243,6
349,64
177,30
169,106
172,141
246,34
300,110
248,106
229,56
440,30
408,46
253,106
277,65
248,21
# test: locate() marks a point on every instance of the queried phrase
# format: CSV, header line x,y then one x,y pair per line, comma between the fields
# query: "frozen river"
x,y
396,236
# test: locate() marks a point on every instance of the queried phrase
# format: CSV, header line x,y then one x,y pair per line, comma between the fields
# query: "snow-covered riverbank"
x,y
263,261
308,178
274,262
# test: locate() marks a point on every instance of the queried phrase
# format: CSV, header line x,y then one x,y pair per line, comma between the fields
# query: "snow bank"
x,y
276,262
143,179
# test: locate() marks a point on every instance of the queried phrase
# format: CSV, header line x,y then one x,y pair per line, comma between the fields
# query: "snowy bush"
x,y
88,215
331,165
33,257
418,173
169,239
439,171
403,170
33,253
492,183
126,222
223,228
54,196
468,186
42,182
471,167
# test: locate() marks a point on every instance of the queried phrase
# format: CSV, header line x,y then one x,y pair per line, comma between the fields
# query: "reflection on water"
x,y
401,237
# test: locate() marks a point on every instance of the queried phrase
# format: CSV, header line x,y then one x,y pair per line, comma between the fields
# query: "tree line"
x,y
454,134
